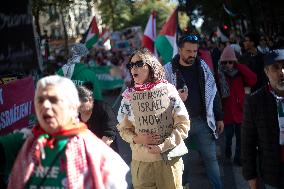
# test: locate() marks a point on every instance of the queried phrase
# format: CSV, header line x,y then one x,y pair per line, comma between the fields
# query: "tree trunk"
x,y
112,16
66,49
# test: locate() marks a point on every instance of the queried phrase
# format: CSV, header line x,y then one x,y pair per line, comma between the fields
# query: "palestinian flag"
x,y
166,41
93,34
150,33
104,36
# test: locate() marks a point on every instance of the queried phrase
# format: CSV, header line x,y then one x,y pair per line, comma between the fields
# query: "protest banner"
x,y
16,104
107,81
152,111
18,50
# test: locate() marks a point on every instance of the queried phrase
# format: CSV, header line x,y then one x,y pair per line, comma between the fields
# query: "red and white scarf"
x,y
86,166
142,87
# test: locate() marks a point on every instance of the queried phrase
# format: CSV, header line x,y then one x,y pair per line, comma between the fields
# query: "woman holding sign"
x,y
154,120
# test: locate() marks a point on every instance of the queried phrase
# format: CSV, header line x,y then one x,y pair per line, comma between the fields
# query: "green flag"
x,y
166,41
93,34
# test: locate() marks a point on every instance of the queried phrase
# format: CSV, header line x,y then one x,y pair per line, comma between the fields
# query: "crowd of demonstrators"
x,y
103,57
262,129
156,151
233,78
98,116
241,63
237,64
196,85
205,84
59,152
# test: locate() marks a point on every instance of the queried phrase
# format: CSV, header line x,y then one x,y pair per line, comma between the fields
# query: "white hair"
x,y
66,86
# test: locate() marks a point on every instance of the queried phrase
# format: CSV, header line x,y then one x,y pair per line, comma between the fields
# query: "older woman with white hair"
x,y
61,152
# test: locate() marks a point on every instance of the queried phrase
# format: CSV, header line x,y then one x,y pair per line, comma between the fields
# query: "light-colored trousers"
x,y
157,175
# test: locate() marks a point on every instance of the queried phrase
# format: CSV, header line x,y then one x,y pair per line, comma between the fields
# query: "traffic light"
x,y
225,27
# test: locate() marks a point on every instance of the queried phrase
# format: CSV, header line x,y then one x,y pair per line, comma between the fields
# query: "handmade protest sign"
x,y
152,112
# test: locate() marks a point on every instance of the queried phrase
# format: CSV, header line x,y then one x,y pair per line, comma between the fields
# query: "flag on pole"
x,y
166,41
93,34
104,36
150,33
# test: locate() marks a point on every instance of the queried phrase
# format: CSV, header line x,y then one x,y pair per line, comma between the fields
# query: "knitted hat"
x,y
228,54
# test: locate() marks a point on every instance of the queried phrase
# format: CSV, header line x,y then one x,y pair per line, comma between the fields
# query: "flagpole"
x,y
177,28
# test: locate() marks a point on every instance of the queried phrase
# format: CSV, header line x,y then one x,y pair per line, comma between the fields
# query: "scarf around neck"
x,y
142,87
84,163
210,88
231,73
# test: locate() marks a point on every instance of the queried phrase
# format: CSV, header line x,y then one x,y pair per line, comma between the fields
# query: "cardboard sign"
x,y
152,112
16,104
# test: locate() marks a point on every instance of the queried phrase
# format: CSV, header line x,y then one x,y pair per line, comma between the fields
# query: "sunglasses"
x,y
137,64
227,62
191,38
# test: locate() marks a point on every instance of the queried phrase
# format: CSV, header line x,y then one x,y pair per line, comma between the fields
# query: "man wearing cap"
x,y
196,86
80,73
263,128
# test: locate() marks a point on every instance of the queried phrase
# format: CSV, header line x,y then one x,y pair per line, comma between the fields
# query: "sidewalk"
x,y
231,175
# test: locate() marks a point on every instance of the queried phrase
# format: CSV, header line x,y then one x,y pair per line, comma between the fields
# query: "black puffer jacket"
x,y
260,138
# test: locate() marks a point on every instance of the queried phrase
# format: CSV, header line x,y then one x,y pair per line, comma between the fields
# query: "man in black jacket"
x,y
263,128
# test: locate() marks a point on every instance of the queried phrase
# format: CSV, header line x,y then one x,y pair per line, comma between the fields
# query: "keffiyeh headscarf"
x,y
77,52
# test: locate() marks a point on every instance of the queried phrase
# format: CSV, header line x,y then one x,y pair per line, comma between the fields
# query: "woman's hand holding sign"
x,y
150,141
147,138
154,149
183,93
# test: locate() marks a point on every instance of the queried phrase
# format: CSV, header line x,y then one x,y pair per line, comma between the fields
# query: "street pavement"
x,y
231,174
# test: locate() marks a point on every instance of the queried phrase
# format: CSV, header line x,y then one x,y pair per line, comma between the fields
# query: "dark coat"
x,y
103,121
260,138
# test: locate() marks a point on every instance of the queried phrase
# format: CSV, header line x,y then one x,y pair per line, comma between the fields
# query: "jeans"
x,y
230,130
206,145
